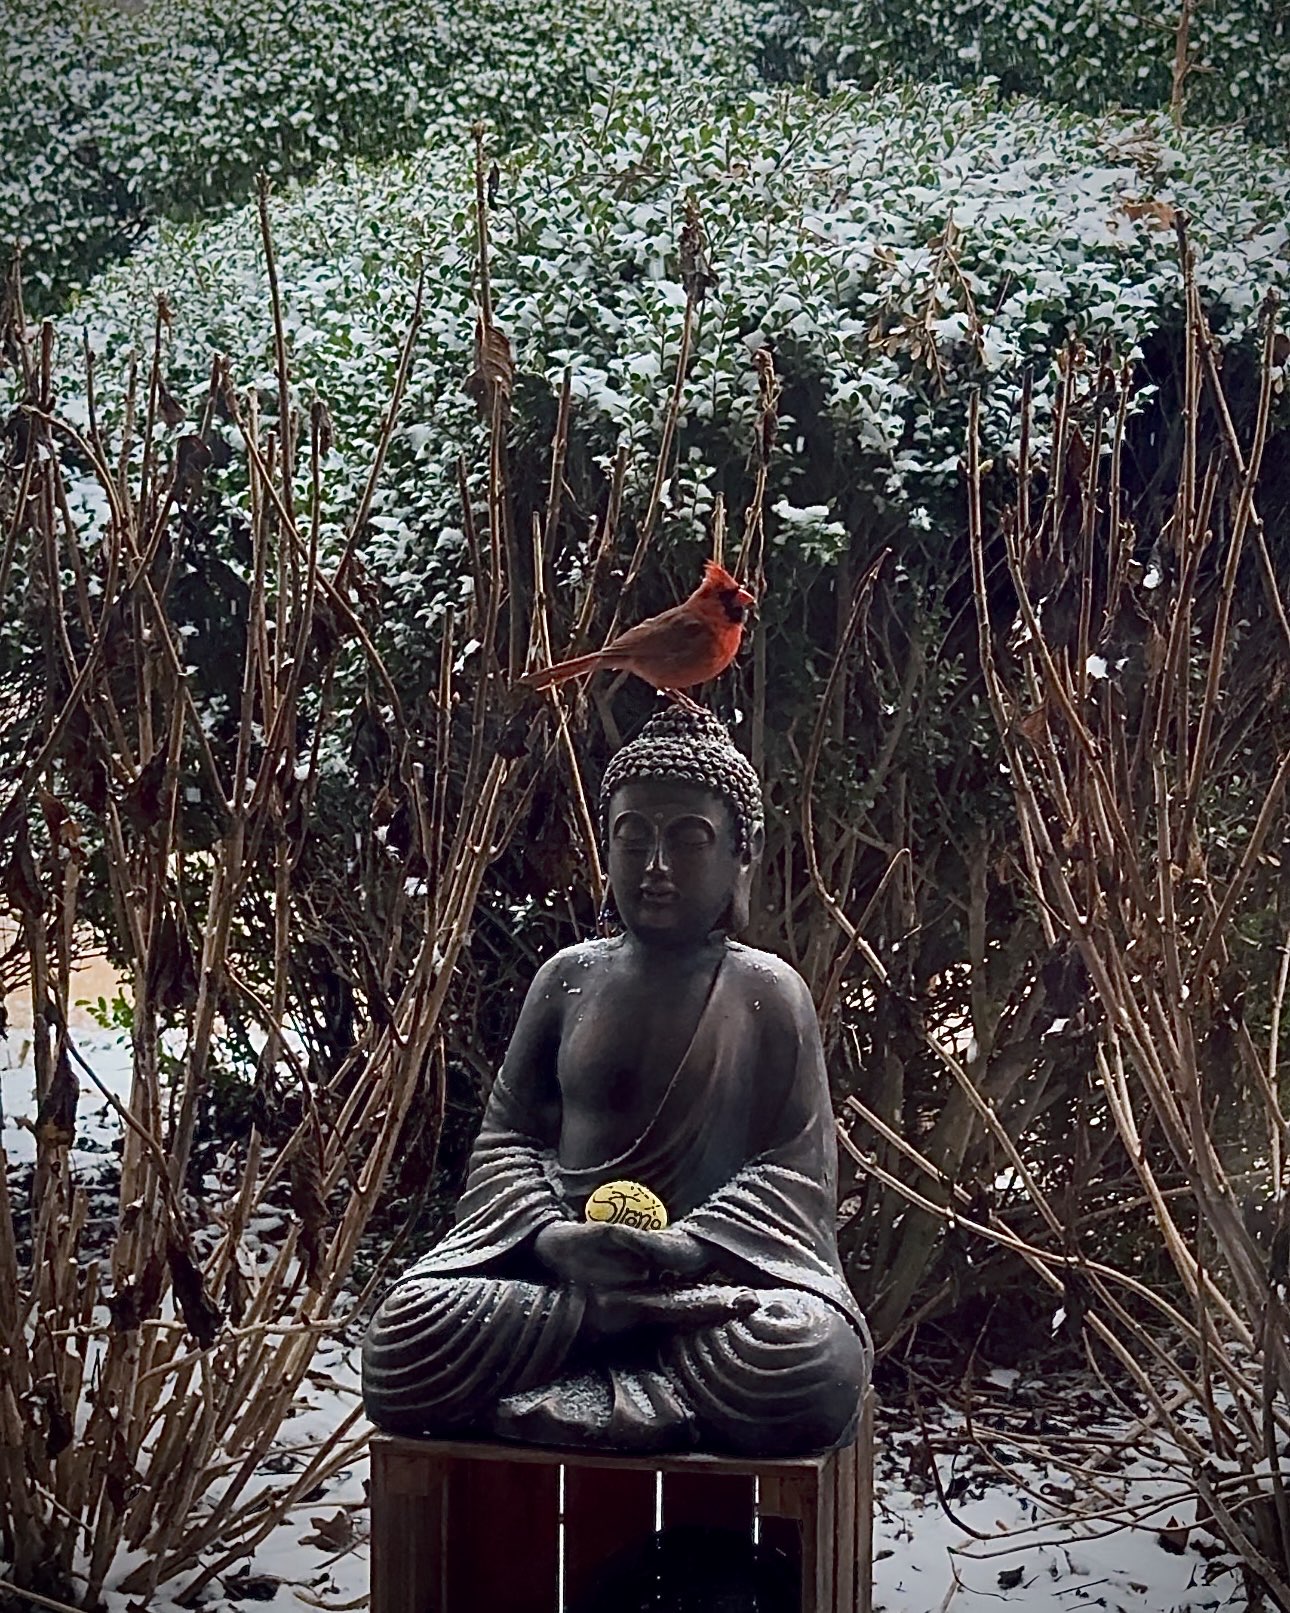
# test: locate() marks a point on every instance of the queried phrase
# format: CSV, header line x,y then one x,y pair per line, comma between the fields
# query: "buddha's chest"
x,y
617,1061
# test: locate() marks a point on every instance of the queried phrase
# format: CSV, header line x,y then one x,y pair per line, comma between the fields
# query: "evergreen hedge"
x,y
894,251
116,114
1093,55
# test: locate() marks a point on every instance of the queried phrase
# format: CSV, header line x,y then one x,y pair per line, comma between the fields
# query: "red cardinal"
x,y
676,649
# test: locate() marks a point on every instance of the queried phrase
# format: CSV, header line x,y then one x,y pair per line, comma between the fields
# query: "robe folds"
x,y
744,1158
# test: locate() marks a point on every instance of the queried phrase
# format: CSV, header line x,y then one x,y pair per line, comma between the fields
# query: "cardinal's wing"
x,y
677,632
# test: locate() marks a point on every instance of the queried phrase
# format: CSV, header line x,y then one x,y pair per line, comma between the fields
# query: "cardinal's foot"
x,y
685,701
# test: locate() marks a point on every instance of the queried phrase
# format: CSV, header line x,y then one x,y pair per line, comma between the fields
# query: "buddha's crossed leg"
x,y
442,1349
784,1379
778,1371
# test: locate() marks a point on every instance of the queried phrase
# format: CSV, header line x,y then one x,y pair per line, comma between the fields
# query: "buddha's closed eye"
x,y
634,834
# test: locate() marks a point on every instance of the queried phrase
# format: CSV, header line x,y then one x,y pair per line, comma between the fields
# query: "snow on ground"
x,y
318,1556
1034,1553
1035,1559
924,1563
1031,1554
98,1128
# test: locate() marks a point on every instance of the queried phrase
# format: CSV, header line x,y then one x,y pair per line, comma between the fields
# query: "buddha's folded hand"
x,y
595,1254
673,1253
591,1254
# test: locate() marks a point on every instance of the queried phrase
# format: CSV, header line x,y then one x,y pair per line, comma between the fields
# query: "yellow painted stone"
x,y
627,1204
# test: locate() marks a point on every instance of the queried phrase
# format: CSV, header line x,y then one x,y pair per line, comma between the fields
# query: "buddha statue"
x,y
673,1057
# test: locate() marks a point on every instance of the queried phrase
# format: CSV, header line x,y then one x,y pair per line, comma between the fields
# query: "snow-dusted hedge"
x,y
1093,54
114,114
117,113
895,251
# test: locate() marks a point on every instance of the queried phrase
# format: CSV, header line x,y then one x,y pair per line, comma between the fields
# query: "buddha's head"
x,y
681,817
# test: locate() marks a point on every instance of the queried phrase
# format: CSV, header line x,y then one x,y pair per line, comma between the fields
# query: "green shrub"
x,y
1096,55
895,251
114,115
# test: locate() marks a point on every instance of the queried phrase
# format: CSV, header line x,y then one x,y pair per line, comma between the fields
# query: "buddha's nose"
x,y
657,877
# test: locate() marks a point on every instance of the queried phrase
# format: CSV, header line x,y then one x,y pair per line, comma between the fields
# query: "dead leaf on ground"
x,y
331,1534
1173,1537
251,1587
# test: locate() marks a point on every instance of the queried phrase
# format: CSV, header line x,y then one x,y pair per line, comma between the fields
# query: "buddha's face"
x,y
675,871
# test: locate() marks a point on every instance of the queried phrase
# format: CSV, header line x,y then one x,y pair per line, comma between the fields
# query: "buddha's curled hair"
x,y
695,748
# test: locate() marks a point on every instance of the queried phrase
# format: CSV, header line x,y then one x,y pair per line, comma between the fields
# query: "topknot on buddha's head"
x,y
692,747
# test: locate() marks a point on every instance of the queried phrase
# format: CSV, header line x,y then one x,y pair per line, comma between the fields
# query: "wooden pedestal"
x,y
479,1528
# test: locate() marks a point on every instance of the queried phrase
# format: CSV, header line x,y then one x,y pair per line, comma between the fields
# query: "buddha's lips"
x,y
662,897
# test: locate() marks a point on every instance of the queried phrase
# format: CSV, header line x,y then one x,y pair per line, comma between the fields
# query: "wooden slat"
x,y
541,1456
407,1469
407,1540
606,1511
495,1508
864,1507
817,1537
844,1530
503,1537
784,1508
715,1500
784,1536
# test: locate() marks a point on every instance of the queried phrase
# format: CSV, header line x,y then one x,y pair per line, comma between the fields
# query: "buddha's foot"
x,y
618,1411
648,1413
571,1411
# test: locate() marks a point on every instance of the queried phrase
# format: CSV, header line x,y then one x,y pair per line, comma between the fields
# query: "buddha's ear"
x,y
740,909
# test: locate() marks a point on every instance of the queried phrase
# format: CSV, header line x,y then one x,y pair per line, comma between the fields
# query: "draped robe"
x,y
744,1157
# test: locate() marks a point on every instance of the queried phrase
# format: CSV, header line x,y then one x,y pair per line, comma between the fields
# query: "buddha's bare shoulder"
x,y
769,978
572,966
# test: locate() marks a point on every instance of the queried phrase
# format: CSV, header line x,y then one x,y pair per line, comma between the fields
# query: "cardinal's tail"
x,y
548,677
